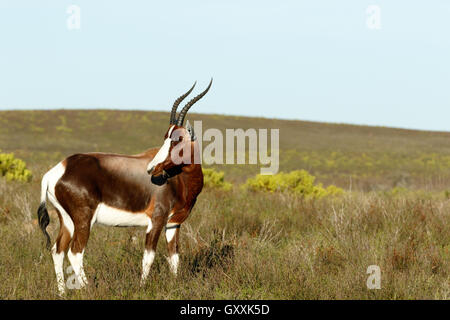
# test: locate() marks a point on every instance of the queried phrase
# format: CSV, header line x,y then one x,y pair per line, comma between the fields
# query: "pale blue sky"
x,y
310,60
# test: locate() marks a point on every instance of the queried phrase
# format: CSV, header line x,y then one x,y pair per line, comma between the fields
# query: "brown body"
x,y
122,182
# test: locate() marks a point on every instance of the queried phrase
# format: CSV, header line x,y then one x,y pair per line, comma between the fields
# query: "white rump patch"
x,y
52,177
114,217
162,153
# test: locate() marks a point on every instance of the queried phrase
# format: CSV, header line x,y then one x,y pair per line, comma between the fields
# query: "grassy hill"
x,y
361,157
240,244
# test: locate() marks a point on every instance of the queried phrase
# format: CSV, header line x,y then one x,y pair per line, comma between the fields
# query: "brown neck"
x,y
191,180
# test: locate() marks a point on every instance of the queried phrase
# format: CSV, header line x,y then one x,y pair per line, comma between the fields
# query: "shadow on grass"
x,y
218,253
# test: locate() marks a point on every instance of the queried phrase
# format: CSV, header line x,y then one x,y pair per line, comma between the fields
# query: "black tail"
x,y
44,220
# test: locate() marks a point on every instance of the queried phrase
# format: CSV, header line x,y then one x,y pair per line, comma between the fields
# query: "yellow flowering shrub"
x,y
215,179
13,169
299,182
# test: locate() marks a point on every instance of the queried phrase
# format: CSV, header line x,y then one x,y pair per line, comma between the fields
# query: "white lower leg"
x,y
76,260
149,256
173,263
171,236
147,261
58,260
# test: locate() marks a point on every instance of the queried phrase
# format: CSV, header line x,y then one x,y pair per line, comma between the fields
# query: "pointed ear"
x,y
190,129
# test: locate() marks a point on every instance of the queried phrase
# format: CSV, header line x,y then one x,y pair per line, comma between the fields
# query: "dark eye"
x,y
177,139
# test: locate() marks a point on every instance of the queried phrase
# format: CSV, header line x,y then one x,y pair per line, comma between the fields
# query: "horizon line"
x,y
143,109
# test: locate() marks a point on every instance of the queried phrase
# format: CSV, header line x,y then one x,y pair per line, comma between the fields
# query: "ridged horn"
x,y
186,108
173,114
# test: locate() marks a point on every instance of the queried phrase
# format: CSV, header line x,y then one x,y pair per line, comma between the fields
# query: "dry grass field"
x,y
238,244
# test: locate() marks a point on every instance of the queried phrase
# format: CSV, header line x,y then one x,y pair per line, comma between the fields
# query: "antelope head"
x,y
180,146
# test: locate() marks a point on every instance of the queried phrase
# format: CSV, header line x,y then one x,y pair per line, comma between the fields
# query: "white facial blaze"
x,y
162,153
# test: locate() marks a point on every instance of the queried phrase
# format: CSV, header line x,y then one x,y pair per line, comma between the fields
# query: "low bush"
x,y
14,169
215,179
299,182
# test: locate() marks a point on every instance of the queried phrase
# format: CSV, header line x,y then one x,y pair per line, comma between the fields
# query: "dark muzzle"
x,y
160,179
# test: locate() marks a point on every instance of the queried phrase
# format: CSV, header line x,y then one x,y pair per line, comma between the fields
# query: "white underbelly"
x,y
110,216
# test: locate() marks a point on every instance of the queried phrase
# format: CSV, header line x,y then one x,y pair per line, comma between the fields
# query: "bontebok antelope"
x,y
151,189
